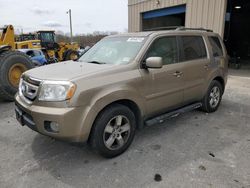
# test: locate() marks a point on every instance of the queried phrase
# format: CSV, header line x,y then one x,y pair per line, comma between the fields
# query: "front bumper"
x,y
70,120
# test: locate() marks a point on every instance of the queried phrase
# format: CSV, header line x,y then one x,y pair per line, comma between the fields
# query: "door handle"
x,y
178,74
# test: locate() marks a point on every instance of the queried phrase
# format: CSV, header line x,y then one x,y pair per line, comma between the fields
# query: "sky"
x,y
87,15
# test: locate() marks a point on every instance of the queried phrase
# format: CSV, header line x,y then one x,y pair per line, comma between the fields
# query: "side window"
x,y
166,48
216,46
193,48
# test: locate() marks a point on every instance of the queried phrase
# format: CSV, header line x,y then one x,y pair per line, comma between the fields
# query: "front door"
x,y
163,87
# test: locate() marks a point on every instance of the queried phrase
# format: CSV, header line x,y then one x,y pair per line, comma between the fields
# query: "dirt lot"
x,y
194,150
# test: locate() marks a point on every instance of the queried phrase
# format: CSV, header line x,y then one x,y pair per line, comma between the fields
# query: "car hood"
x,y
67,70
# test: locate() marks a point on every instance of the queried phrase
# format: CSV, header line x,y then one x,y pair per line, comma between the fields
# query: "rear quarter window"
x,y
193,48
216,46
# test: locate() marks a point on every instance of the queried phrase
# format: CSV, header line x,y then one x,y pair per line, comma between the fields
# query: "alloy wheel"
x,y
117,132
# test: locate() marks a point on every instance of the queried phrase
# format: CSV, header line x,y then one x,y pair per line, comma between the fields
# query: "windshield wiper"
x,y
96,62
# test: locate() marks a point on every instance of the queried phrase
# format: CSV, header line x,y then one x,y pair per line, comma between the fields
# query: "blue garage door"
x,y
171,16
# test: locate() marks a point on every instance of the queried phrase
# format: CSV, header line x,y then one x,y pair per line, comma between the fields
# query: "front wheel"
x,y
71,55
113,131
212,99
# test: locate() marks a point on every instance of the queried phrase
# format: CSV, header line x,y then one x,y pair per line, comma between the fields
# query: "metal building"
x,y
209,14
229,18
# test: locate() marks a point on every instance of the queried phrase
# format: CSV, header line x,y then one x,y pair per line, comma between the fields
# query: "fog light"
x,y
54,126
51,126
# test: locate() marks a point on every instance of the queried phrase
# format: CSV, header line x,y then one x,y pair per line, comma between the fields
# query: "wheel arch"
x,y
132,105
221,81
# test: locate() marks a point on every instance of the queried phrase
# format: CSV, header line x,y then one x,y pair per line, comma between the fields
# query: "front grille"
x,y
28,88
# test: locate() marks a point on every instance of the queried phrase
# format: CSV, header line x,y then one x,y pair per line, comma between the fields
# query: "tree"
x,y
84,39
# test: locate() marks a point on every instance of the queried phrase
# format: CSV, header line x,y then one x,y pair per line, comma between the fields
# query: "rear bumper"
x,y
70,120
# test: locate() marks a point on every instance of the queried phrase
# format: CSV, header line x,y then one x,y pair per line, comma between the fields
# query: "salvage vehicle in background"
x,y
13,63
123,83
37,56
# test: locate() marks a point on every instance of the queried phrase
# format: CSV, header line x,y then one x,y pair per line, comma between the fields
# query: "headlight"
x,y
56,91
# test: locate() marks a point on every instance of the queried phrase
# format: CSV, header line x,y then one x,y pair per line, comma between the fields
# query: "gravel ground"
x,y
193,150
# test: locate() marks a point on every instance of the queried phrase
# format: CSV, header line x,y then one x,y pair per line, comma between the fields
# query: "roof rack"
x,y
194,29
178,28
162,28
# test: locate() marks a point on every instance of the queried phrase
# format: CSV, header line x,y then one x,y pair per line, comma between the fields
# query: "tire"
x,y
12,61
70,53
106,138
212,99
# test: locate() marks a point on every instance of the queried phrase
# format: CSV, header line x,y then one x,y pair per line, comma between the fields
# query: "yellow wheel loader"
x,y
54,52
57,51
13,63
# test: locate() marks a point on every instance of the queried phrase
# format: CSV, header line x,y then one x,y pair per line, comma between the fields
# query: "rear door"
x,y
195,62
163,87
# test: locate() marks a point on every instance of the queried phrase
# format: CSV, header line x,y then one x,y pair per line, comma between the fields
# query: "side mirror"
x,y
154,62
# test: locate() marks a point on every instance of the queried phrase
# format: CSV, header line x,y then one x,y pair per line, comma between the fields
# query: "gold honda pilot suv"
x,y
123,83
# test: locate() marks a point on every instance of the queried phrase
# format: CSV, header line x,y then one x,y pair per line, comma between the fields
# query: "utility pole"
x,y
70,22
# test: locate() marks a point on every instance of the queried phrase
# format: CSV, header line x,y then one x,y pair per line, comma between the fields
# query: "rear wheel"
x,y
113,131
71,55
212,99
12,65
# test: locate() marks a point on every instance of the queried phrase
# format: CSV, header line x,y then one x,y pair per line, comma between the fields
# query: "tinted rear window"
x,y
216,46
193,48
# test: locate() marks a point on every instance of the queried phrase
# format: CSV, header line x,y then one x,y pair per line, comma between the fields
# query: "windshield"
x,y
47,37
114,50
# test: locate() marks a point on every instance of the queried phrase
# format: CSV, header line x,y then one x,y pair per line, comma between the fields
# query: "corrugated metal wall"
x,y
209,14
